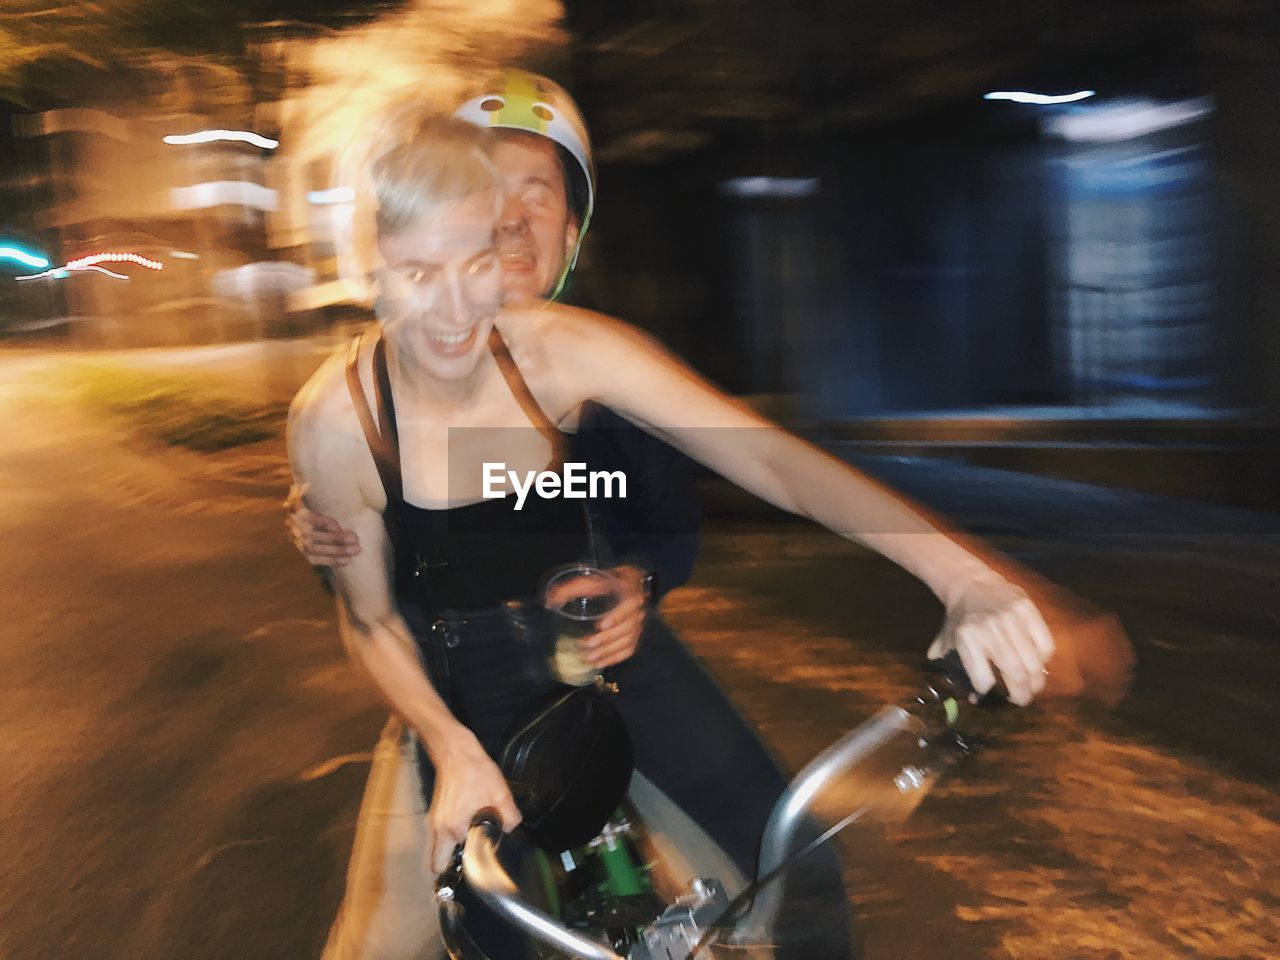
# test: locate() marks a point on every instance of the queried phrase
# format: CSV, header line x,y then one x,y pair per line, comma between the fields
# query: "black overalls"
x,y
467,580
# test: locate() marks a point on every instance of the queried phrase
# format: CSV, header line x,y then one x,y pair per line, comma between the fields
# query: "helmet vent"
x,y
543,112
492,104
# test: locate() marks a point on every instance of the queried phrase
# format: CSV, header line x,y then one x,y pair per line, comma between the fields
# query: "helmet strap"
x,y
572,260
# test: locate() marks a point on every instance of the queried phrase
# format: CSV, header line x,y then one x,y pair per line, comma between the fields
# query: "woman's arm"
x,y
990,621
376,637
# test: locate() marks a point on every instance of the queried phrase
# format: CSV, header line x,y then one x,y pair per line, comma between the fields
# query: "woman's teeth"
x,y
450,339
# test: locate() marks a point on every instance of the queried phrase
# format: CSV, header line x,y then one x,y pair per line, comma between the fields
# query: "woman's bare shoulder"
x,y
328,450
323,390
322,409
561,331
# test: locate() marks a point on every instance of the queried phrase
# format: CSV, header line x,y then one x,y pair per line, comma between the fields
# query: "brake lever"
x,y
457,941
948,697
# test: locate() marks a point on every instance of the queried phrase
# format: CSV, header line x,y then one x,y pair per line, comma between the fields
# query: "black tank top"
x,y
483,554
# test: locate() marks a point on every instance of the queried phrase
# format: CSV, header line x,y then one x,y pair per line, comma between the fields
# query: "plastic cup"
x,y
577,596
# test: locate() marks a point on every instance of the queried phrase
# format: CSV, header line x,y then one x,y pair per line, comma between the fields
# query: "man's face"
x,y
537,232
442,286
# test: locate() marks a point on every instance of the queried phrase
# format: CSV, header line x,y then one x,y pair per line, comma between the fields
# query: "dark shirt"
x,y
656,524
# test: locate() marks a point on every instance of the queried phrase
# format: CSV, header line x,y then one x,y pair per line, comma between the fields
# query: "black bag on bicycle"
x,y
568,760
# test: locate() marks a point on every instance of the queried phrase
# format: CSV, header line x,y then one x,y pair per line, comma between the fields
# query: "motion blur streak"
x,y
210,136
1128,120
91,262
109,273
1043,99
221,192
21,256
88,261
1066,839
335,195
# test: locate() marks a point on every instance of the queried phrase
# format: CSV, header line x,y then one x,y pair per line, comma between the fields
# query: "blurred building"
x,y
813,203
818,203
141,169
219,168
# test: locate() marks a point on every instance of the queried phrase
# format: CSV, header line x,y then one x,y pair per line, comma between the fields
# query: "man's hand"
x,y
619,630
994,626
320,539
467,781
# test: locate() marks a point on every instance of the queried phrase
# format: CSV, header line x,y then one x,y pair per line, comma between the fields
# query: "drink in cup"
x,y
577,596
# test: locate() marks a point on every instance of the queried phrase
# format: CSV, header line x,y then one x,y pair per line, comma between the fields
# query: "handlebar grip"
x,y
951,669
490,821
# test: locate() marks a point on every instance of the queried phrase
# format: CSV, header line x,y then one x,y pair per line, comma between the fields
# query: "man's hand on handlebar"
x,y
467,781
995,627
320,539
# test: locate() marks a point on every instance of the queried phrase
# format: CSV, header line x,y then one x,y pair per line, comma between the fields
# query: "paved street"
x,y
185,742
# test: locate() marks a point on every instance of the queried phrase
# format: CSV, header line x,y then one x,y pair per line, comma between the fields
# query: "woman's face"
x,y
442,286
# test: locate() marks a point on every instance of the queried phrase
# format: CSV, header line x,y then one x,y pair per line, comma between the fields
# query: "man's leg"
x,y
675,841
388,911
696,749
694,746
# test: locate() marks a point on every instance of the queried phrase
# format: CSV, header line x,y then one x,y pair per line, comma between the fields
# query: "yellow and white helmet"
x,y
519,100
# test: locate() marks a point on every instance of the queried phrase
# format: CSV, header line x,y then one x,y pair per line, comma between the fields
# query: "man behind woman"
x,y
455,358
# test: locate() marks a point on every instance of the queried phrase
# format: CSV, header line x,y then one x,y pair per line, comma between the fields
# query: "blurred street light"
x,y
211,136
1128,120
1040,99
23,257
788,187
334,195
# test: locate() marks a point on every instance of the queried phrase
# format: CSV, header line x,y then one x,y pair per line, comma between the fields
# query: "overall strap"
x,y
542,423
382,438
384,443
430,558
524,396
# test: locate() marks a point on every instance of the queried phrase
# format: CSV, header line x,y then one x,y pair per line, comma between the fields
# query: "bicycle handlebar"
x,y
794,804
487,877
495,887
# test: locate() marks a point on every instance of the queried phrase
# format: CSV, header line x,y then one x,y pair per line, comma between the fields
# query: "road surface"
x,y
185,742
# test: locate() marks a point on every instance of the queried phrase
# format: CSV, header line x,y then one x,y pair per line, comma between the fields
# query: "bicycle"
x,y
902,751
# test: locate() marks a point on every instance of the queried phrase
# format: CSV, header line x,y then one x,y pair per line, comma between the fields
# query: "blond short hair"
x,y
411,165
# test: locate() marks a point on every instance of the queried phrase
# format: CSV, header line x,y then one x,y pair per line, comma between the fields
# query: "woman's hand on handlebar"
x,y
322,540
995,627
467,781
